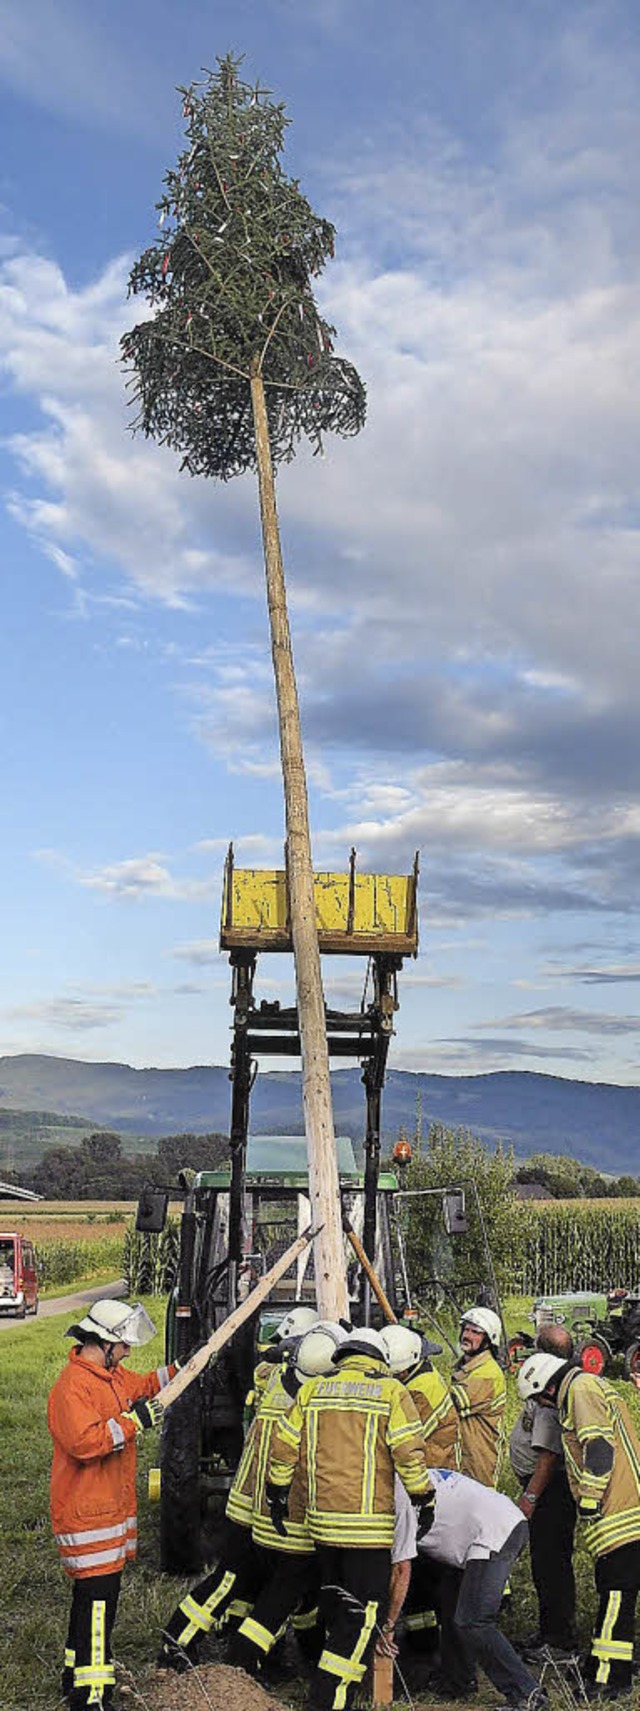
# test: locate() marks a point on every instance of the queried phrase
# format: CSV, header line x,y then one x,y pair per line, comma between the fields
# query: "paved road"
x,y
65,1303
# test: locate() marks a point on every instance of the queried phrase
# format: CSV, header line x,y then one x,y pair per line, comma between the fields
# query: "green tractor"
x,y
604,1328
202,1432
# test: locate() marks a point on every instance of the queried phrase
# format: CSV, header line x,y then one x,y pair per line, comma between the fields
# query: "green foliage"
x,y
450,1158
99,1170
230,283
567,1179
62,1261
537,1249
581,1247
199,1152
95,1169
150,1261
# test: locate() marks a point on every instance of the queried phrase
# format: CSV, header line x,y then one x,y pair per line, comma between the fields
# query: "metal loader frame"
x,y
267,1029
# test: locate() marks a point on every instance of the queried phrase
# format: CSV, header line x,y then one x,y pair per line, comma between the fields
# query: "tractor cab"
x,y
202,1434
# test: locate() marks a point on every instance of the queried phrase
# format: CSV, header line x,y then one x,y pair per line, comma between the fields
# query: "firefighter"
x,y
602,1455
409,1360
228,1591
290,1584
349,1432
479,1392
535,1452
96,1409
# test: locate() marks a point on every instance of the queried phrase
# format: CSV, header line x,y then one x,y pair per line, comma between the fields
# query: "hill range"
x,y
47,1100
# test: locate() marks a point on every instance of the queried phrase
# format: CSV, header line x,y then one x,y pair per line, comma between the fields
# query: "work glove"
x,y
278,1506
146,1412
426,1513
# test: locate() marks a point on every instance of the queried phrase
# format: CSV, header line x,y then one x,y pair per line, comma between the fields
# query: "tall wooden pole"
x,y
324,1191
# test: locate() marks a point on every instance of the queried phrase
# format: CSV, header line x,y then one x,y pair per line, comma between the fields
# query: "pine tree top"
x,y
229,286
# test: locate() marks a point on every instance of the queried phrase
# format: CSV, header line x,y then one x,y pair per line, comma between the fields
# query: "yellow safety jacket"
x,y
602,1456
240,1499
275,1404
349,1434
440,1424
479,1392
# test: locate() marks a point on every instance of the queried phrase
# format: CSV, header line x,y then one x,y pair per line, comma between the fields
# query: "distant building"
x,y
10,1191
532,1191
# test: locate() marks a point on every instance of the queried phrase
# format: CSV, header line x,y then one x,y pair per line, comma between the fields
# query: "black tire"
x,y
632,1361
22,1311
180,1492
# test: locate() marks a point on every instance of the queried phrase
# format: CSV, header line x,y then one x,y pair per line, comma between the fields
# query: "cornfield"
x,y
62,1261
580,1244
149,1262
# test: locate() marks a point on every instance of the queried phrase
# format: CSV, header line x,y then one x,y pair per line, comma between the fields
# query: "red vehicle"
x,y
18,1275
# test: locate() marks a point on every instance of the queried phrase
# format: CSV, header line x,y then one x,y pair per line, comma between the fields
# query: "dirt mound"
x,y
210,1687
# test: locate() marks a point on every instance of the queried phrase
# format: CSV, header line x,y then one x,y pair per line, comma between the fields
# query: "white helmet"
x,y
295,1323
406,1348
116,1322
403,1346
363,1340
536,1373
483,1319
317,1348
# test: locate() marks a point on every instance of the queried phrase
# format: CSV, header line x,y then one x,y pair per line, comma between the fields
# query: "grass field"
x,y
35,1593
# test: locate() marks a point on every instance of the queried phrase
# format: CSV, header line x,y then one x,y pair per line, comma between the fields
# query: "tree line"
x,y
98,1169
565,1178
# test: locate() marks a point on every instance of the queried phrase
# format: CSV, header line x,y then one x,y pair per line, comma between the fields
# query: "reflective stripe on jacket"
x,y
93,1475
349,1433
240,1499
479,1392
602,1456
440,1423
275,1403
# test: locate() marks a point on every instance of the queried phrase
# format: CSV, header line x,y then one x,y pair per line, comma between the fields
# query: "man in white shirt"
x,y
476,1537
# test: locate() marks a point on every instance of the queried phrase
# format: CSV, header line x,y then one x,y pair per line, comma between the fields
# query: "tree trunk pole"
x,y
324,1191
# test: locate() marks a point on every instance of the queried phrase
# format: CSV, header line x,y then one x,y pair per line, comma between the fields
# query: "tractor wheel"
x,y
595,1355
180,1493
518,1348
632,1361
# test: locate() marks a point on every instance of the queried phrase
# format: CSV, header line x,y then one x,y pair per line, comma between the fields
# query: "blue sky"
x,y
463,577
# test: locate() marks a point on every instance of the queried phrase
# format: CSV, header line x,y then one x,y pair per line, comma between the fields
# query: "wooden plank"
x,y
381,1680
197,1362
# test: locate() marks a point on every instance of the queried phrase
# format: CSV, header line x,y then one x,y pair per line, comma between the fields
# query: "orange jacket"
x,y
93,1477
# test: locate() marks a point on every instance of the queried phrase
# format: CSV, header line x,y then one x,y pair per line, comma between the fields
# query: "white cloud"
x,y
137,878
144,877
101,498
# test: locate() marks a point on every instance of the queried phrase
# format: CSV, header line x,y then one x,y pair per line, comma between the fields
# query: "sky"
x,y
463,576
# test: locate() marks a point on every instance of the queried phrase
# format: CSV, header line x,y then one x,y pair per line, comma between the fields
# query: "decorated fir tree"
x,y
234,366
